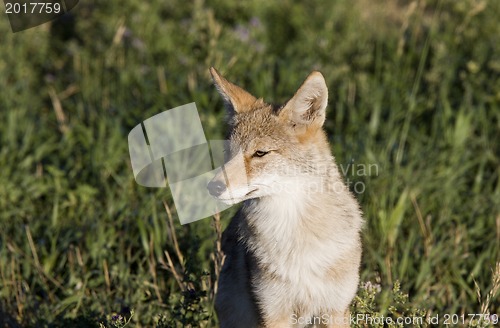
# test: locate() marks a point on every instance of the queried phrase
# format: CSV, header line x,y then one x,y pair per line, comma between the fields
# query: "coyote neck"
x,y
283,220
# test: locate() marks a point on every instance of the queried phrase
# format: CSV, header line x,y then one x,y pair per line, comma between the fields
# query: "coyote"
x,y
292,252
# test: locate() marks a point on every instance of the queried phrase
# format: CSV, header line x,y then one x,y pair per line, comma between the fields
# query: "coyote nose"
x,y
216,188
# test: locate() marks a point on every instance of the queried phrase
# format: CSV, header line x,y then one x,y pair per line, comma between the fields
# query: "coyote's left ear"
x,y
237,100
307,107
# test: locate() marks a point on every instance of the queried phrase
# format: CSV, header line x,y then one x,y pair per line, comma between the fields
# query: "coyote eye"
x,y
260,153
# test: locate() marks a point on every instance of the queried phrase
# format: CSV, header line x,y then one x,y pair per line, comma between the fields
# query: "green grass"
x,y
414,89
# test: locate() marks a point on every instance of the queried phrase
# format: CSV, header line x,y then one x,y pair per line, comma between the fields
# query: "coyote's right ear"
x,y
236,99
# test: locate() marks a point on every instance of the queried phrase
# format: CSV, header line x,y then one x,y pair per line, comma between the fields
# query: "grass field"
x,y
414,91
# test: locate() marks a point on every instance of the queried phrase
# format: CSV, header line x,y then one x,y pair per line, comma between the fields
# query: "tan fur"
x,y
293,249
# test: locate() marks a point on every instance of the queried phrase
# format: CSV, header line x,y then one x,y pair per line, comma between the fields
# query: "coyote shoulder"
x,y
292,252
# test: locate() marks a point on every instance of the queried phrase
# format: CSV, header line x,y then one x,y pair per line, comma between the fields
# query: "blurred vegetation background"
x,y
414,88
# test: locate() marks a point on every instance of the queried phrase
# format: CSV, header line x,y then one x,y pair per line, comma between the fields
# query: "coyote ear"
x,y
307,107
236,99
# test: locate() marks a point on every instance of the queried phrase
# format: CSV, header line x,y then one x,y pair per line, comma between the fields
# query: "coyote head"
x,y
272,150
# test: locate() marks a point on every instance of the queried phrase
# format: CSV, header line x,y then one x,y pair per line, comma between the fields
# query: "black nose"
x,y
216,188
